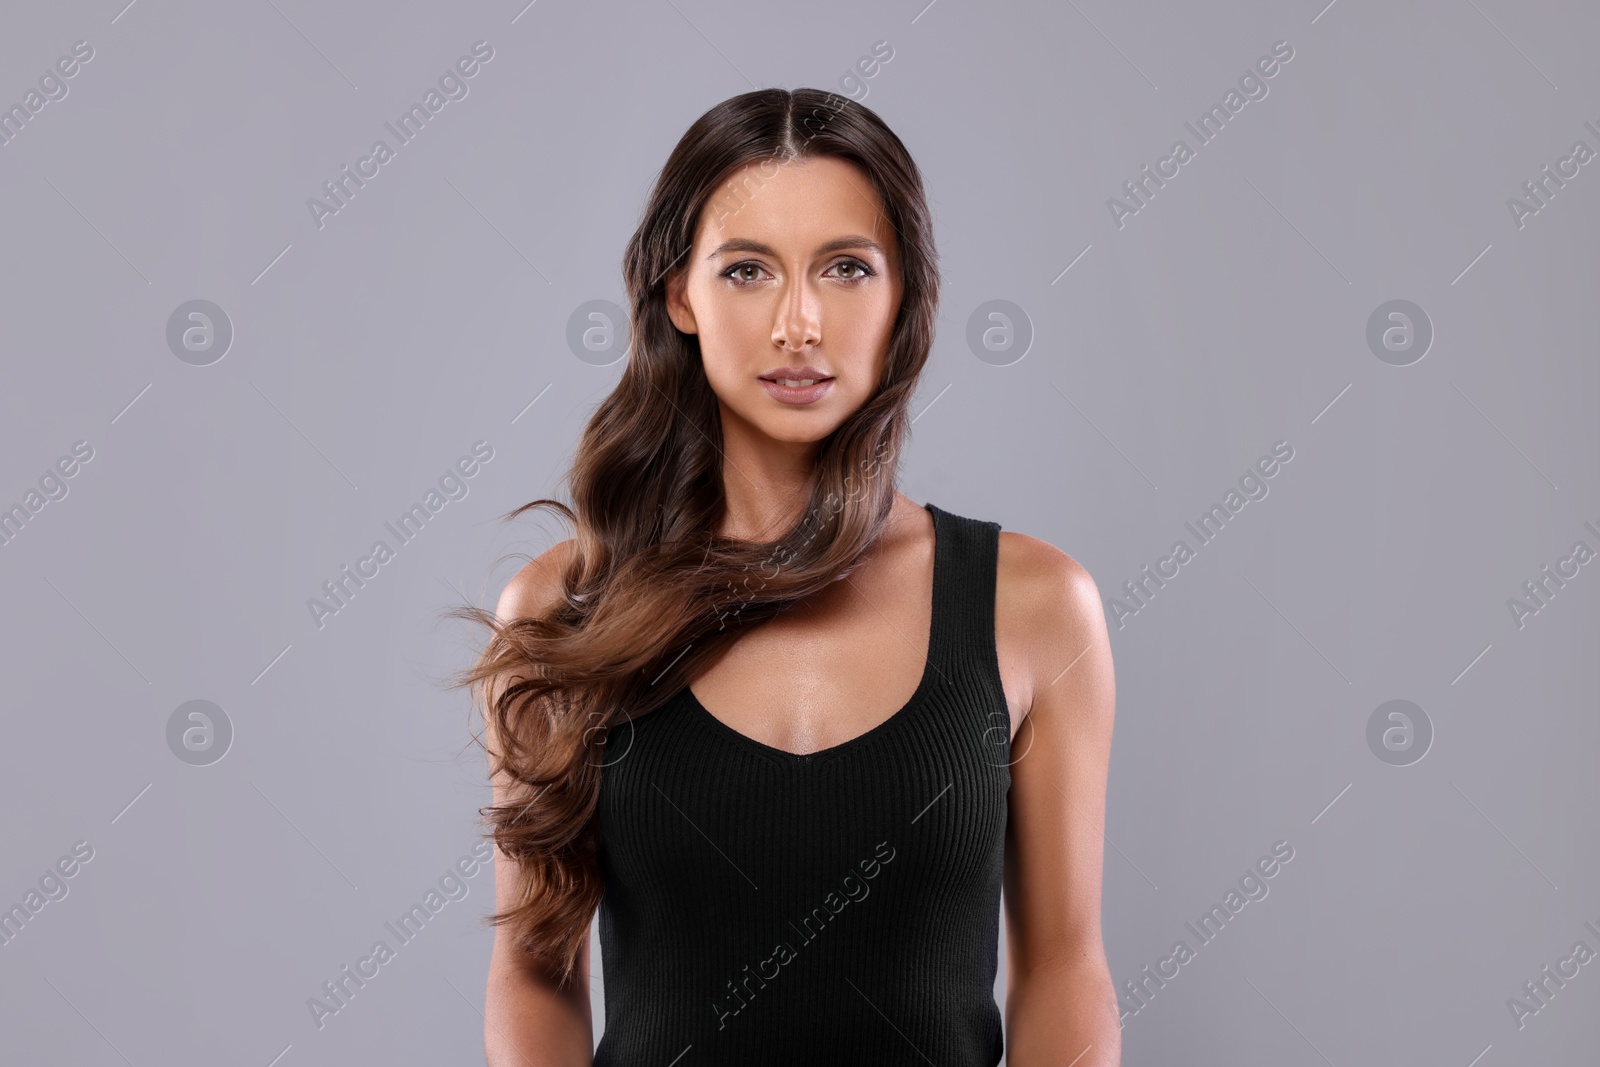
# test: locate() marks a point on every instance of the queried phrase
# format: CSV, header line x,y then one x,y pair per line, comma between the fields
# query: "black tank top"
x,y
834,908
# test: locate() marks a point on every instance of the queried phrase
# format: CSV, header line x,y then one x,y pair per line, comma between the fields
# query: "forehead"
x,y
794,206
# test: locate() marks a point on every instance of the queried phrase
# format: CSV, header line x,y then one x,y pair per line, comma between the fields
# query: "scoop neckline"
x,y
929,672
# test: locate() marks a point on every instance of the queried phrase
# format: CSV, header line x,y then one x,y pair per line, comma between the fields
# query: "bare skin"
x,y
854,655
529,1020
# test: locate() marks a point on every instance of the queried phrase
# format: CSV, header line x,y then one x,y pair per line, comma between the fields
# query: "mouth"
x,y
796,377
797,383
790,388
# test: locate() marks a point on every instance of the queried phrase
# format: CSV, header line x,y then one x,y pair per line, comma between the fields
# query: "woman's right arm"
x,y
528,1020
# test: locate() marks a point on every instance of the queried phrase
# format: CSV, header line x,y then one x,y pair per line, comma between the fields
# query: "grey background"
x,y
368,355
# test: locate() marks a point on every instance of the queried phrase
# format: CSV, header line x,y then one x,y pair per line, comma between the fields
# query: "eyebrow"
x,y
838,244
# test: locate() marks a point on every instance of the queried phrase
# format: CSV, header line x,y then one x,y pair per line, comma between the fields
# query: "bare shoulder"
x,y
1047,611
1041,580
532,591
537,586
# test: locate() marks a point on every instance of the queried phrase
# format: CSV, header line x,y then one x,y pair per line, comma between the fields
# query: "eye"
x,y
858,271
861,269
732,272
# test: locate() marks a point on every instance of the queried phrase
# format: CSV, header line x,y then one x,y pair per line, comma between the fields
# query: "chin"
x,y
798,424
801,430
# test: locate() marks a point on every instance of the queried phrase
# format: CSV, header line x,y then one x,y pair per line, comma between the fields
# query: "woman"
x,y
763,710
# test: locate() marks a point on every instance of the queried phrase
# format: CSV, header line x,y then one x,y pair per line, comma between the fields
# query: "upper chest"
x,y
837,666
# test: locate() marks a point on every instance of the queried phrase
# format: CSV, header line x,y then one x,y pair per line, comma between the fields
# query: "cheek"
x,y
731,330
860,334
865,320
722,376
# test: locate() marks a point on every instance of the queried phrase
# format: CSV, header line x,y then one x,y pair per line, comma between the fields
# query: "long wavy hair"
x,y
650,595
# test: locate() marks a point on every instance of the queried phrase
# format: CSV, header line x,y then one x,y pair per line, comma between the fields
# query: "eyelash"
x,y
863,271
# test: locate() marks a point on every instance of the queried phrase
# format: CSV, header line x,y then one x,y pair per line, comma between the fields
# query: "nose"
x,y
798,322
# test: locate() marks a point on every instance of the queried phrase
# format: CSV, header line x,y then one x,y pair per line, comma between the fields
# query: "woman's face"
x,y
794,266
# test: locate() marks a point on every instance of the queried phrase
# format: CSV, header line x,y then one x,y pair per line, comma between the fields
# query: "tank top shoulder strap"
x,y
966,553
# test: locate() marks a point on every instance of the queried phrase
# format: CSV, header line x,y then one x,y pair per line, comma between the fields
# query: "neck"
x,y
765,482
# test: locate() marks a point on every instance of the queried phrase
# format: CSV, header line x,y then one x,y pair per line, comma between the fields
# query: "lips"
x,y
796,377
796,394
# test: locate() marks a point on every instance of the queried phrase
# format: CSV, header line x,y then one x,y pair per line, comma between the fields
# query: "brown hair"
x,y
649,595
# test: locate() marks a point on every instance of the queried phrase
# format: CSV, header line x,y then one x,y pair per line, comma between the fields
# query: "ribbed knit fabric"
x,y
835,908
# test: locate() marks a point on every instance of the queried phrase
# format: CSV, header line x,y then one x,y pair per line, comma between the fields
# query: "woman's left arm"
x,y
1061,1005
